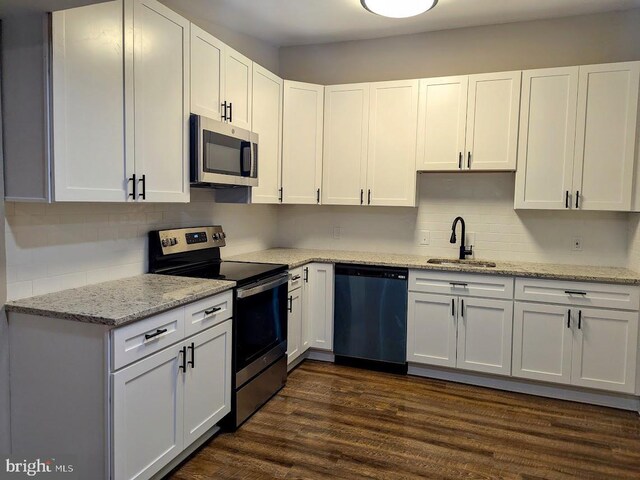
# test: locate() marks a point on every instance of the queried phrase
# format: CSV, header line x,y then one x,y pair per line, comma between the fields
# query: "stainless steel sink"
x,y
453,262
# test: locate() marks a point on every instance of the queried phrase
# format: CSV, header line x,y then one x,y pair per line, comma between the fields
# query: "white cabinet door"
x,y
207,381
319,304
393,127
346,127
88,104
605,349
302,142
147,407
492,121
431,329
207,73
484,335
294,325
547,138
157,99
238,88
442,123
542,342
267,123
606,136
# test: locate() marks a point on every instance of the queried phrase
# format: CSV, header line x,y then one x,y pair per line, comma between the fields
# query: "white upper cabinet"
x,y
346,123
547,133
207,74
393,127
267,123
238,89
302,142
578,138
606,136
157,79
492,121
442,123
469,122
88,123
370,132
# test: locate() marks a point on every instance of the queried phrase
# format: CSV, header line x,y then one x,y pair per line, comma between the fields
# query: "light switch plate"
x,y
424,237
337,232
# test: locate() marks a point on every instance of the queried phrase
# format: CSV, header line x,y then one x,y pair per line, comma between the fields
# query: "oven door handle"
x,y
262,287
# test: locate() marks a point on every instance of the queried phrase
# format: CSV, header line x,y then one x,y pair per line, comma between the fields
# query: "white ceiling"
x,y
300,22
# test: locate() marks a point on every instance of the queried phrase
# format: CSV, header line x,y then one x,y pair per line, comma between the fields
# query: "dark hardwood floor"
x,y
335,422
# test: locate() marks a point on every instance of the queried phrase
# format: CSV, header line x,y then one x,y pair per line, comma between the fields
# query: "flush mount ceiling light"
x,y
398,8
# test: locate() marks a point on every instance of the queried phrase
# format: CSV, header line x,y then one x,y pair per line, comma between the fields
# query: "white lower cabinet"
x,y
431,329
165,402
484,335
207,381
318,304
542,341
148,406
462,332
573,344
294,325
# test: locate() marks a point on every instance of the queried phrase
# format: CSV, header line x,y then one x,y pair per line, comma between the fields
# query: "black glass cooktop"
x,y
240,272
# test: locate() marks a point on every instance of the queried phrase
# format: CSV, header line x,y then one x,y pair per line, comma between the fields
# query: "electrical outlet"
x,y
424,237
337,232
577,244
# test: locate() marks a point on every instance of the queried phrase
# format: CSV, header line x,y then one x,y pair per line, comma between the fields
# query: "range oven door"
x,y
222,154
260,323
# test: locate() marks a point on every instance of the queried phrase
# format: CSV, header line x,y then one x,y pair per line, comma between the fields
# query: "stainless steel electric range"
x,y
260,310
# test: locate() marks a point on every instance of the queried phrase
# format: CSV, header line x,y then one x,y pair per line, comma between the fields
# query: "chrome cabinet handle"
x,y
294,278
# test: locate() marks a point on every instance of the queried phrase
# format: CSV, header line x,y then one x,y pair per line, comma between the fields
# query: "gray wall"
x,y
4,332
601,38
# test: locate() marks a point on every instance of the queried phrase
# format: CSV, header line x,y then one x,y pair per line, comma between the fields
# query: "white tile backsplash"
x,y
485,200
51,247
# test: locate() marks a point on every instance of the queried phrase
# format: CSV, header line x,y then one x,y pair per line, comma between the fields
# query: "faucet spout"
x,y
464,251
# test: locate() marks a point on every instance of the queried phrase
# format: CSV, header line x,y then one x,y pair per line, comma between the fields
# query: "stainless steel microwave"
x,y
222,154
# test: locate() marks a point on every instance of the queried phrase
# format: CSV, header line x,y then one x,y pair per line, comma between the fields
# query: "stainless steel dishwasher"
x,y
370,319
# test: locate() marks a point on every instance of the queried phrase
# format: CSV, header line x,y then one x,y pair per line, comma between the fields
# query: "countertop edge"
x,y
463,269
118,322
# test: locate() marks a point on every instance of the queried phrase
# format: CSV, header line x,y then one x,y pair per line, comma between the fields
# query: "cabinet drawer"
x,y
207,313
464,284
137,340
295,278
582,294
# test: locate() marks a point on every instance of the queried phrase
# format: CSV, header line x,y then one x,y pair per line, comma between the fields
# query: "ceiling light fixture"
x,y
398,8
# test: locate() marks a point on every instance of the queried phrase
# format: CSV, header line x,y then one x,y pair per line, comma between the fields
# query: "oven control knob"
x,y
214,236
223,235
164,242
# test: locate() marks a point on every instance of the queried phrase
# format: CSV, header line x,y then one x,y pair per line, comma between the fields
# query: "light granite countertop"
x,y
296,257
119,302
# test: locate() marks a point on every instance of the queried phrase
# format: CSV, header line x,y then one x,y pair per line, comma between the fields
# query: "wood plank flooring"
x,y
335,422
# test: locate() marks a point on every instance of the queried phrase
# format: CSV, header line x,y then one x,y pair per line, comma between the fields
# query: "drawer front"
x,y
139,339
463,284
206,313
582,294
295,278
